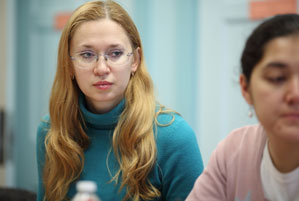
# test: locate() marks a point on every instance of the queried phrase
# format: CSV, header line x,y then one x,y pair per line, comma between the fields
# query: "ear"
x,y
72,70
245,89
136,57
72,74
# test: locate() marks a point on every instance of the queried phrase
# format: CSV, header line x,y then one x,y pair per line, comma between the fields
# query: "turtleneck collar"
x,y
101,121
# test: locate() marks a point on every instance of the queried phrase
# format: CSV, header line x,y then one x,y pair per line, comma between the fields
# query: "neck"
x,y
285,156
101,107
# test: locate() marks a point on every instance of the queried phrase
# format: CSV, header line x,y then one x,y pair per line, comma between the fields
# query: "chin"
x,y
290,134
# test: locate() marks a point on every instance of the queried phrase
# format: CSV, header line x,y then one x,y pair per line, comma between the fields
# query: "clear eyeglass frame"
x,y
85,64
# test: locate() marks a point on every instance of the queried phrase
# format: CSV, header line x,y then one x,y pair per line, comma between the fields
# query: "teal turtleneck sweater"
x,y
178,164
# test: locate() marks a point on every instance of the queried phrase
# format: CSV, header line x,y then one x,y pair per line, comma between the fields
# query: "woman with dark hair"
x,y
261,162
104,123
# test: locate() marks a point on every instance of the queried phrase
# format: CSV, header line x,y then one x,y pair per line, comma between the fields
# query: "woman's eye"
x,y
115,54
277,79
87,55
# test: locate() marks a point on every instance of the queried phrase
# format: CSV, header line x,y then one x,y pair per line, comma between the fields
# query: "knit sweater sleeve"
x,y
40,153
179,158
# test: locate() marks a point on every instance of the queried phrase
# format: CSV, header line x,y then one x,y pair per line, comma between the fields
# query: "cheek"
x,y
267,96
266,104
124,79
122,75
82,79
262,94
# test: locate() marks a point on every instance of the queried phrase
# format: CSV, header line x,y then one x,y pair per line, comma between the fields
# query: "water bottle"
x,y
86,191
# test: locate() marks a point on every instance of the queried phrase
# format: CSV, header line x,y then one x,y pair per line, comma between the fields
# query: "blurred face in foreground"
x,y
274,89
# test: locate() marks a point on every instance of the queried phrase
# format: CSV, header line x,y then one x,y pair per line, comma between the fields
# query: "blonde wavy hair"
x,y
133,138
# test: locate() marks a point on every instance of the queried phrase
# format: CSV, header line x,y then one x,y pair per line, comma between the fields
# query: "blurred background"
x,y
192,50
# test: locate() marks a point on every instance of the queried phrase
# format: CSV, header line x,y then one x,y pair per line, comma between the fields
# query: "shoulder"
x,y
42,131
44,122
43,128
241,144
239,152
176,138
173,127
249,135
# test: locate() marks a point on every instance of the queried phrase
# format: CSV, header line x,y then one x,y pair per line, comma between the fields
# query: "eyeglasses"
x,y
113,58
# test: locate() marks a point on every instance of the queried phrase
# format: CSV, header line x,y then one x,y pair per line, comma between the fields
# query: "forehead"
x,y
100,32
282,45
283,50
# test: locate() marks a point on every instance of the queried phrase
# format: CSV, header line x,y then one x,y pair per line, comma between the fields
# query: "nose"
x,y
292,96
101,67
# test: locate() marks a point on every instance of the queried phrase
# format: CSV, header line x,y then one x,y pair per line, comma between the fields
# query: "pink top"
x,y
233,172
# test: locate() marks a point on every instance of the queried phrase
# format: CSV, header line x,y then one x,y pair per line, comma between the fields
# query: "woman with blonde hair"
x,y
104,123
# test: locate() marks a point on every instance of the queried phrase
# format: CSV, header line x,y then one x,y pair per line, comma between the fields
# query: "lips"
x,y
294,116
291,113
102,85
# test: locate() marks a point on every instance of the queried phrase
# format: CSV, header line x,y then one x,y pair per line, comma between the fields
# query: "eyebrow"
x,y
110,46
276,64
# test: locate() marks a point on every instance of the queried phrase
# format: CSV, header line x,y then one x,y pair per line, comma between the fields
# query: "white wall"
x,y
10,90
2,52
2,70
223,28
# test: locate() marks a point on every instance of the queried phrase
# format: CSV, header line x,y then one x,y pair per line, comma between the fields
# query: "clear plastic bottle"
x,y
86,191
